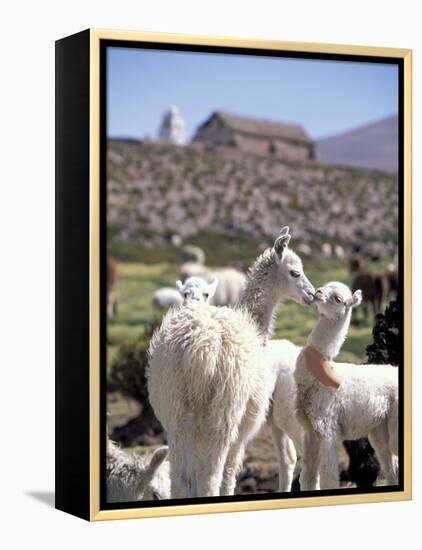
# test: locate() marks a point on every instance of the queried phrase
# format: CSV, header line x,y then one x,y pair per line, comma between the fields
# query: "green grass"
x,y
137,283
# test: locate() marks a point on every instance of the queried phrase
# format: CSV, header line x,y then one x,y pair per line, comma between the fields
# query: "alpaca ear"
x,y
284,231
158,457
282,241
212,287
179,286
356,299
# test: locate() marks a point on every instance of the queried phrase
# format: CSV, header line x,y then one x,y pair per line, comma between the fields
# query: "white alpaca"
x,y
231,281
135,477
193,269
286,429
196,289
364,405
281,356
208,379
166,297
230,287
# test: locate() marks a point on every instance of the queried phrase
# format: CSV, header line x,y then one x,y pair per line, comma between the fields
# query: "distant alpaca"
x,y
166,297
111,285
208,379
193,269
196,289
365,404
374,286
231,281
192,253
133,477
230,287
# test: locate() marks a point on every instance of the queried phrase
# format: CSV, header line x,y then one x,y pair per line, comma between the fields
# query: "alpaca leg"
x,y
311,455
286,457
379,438
181,455
231,469
209,470
179,476
329,468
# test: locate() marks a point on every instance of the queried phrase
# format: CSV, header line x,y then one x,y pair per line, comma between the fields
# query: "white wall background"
x,y
27,272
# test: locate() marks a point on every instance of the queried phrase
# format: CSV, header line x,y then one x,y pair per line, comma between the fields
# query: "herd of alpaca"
x,y
227,293
215,376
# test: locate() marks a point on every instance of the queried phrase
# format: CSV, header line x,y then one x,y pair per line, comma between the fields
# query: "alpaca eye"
x,y
186,294
206,296
338,299
294,274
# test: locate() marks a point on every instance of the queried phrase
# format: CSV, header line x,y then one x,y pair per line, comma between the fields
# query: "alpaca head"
x,y
133,477
291,280
335,300
156,479
196,289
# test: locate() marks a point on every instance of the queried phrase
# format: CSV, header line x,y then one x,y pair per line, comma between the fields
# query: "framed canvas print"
x,y
233,274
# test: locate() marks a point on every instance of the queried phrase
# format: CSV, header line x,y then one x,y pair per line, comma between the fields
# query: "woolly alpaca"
x,y
134,477
365,405
208,380
197,289
281,355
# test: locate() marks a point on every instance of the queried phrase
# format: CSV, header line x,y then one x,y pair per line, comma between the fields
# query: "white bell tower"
x,y
173,127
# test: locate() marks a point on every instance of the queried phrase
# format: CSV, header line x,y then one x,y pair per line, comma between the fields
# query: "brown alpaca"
x,y
111,284
392,275
375,286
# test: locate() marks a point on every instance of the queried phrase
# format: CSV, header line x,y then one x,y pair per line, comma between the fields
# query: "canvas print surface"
x,y
253,302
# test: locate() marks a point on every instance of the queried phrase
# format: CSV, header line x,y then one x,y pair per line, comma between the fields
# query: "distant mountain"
x,y
371,146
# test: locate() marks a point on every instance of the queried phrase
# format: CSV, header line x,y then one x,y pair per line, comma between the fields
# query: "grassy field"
x,y
137,282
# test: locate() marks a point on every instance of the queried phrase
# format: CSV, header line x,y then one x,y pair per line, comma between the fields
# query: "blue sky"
x,y
326,97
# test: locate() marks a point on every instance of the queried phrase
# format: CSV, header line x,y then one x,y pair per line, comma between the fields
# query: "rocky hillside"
x,y
372,146
157,191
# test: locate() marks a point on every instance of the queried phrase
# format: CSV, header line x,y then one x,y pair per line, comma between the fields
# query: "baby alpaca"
x,y
197,289
364,405
133,477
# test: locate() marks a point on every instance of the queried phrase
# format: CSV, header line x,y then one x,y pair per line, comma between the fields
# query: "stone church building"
x,y
262,137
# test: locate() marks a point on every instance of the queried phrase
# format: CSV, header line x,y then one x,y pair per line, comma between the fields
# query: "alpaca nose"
x,y
319,295
309,294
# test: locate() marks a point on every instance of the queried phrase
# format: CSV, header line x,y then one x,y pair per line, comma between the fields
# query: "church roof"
x,y
261,127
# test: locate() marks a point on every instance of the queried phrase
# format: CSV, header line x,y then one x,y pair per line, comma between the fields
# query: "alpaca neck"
x,y
260,296
328,336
